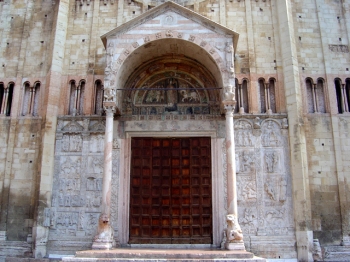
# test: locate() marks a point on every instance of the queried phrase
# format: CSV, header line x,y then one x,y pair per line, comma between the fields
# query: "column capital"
x,y
109,107
229,107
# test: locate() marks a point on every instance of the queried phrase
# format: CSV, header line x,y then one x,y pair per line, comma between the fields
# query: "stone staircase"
x,y
157,255
337,253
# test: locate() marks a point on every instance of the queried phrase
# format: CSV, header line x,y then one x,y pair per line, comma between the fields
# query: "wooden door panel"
x,y
170,191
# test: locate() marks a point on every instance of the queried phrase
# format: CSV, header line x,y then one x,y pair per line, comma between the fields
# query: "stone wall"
x,y
19,173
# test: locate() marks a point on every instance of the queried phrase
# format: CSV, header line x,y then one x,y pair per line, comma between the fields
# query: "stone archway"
x,y
196,96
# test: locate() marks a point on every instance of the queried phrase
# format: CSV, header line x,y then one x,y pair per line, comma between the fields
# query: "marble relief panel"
x,y
263,176
77,190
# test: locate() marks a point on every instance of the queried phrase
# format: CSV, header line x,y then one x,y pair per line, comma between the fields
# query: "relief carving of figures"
x,y
244,161
247,190
276,221
93,200
97,164
97,143
69,184
76,143
70,168
67,220
229,57
109,94
244,138
270,190
243,124
155,96
248,217
272,162
81,220
249,221
94,184
77,201
271,134
72,143
91,220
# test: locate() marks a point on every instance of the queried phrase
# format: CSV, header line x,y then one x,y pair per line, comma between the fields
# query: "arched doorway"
x,y
169,77
170,178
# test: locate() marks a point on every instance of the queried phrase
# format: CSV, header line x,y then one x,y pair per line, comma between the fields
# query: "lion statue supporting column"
x,y
104,238
234,234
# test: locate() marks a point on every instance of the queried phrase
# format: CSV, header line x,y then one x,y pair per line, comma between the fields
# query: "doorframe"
x,y
218,183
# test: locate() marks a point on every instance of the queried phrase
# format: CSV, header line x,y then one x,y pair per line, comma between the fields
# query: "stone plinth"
x,y
127,254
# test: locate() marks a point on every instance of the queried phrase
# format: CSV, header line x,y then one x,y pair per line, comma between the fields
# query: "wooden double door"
x,y
170,191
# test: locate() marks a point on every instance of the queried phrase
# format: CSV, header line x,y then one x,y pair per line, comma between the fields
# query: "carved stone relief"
x,y
264,199
77,190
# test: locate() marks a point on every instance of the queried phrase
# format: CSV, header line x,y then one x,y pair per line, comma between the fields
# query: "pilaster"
x,y
297,141
51,104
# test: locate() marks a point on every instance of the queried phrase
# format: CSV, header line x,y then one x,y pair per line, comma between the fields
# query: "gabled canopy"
x,y
171,6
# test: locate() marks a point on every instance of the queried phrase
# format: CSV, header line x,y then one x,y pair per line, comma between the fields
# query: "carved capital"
x,y
109,107
229,106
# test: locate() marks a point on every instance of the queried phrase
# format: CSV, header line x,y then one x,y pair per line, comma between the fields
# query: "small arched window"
x,y
242,97
267,96
31,99
263,100
6,94
98,110
342,96
347,92
315,96
76,98
320,98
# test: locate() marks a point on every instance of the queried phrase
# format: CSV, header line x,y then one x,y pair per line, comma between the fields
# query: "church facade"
x,y
193,124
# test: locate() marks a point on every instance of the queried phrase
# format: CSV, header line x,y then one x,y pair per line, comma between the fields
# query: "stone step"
x,y
26,259
337,253
255,259
155,255
15,249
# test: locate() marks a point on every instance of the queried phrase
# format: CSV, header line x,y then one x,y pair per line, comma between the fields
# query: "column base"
x,y
235,246
102,245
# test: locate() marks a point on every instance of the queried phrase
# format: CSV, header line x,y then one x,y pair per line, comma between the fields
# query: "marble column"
x,y
234,235
104,238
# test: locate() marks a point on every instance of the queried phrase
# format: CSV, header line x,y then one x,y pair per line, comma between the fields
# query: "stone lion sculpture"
x,y
105,231
233,231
